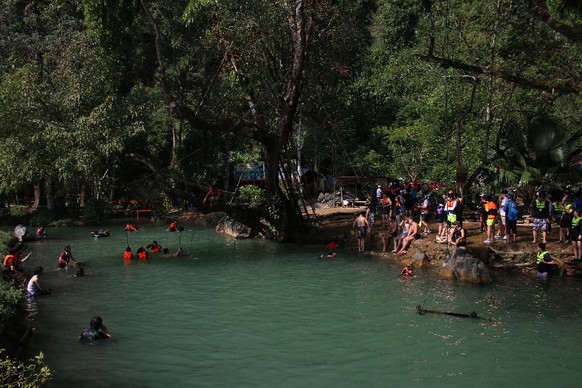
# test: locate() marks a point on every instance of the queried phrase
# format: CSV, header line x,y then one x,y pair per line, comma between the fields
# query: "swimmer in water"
x,y
407,271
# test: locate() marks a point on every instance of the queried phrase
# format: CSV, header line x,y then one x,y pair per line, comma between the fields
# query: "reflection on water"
x,y
256,313
31,307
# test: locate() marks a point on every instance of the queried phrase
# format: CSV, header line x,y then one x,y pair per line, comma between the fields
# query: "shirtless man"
x,y
412,235
360,226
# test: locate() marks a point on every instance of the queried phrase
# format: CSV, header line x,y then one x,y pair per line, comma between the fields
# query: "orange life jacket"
x,y
8,257
127,255
142,255
491,209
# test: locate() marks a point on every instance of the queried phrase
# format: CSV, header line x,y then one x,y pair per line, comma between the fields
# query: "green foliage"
x,y
5,237
252,195
536,150
369,104
13,215
96,211
43,217
10,296
30,374
62,223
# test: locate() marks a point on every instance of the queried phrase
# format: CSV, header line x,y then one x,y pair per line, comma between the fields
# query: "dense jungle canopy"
x,y
104,100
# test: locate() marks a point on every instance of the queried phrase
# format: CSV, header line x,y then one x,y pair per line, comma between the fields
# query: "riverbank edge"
x,y
337,224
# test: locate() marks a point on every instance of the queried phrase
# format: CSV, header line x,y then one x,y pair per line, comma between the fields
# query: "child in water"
x,y
407,271
332,246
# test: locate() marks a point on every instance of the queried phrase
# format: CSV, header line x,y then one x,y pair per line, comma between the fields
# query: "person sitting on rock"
x,y
413,234
403,227
458,235
444,231
390,233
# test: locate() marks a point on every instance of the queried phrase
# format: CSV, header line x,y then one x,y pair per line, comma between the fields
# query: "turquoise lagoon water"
x,y
263,314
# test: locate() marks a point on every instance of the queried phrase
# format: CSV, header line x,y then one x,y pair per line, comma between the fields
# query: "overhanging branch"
x,y
571,32
547,86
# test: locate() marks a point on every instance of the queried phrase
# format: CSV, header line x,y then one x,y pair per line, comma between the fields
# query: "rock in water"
x,y
466,268
233,228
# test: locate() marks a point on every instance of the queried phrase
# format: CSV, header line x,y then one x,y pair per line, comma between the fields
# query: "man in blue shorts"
x,y
360,226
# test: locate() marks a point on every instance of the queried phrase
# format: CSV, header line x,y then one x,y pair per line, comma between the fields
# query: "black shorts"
x,y
511,227
566,221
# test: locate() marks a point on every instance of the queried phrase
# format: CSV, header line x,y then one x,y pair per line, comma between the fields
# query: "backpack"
x,y
512,213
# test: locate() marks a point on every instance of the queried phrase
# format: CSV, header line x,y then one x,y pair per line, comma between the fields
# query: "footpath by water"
x,y
263,314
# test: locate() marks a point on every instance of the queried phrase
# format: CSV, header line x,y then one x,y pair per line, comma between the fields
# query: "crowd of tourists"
x,y
399,216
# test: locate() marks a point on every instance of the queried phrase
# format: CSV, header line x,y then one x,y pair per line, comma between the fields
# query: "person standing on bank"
x,y
360,226
540,212
511,217
491,210
576,234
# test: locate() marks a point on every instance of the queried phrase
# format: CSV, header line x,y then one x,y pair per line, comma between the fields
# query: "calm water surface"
x,y
262,314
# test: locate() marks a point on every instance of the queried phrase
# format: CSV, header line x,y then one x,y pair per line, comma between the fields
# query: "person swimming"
x,y
96,331
407,271
331,255
80,272
154,247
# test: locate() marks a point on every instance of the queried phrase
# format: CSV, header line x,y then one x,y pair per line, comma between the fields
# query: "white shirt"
x,y
501,211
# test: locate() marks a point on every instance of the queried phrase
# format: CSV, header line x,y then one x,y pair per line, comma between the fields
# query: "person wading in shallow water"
x,y
65,257
544,261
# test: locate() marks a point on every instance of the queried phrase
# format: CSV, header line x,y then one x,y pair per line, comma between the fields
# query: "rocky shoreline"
x,y
336,223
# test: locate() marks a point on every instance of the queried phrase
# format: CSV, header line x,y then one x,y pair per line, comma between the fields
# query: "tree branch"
x,y
547,86
163,80
571,32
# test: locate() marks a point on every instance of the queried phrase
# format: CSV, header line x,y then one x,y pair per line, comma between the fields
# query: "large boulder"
x,y
465,267
233,228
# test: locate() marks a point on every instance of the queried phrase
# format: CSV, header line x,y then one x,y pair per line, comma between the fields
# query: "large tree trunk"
x,y
272,140
50,202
